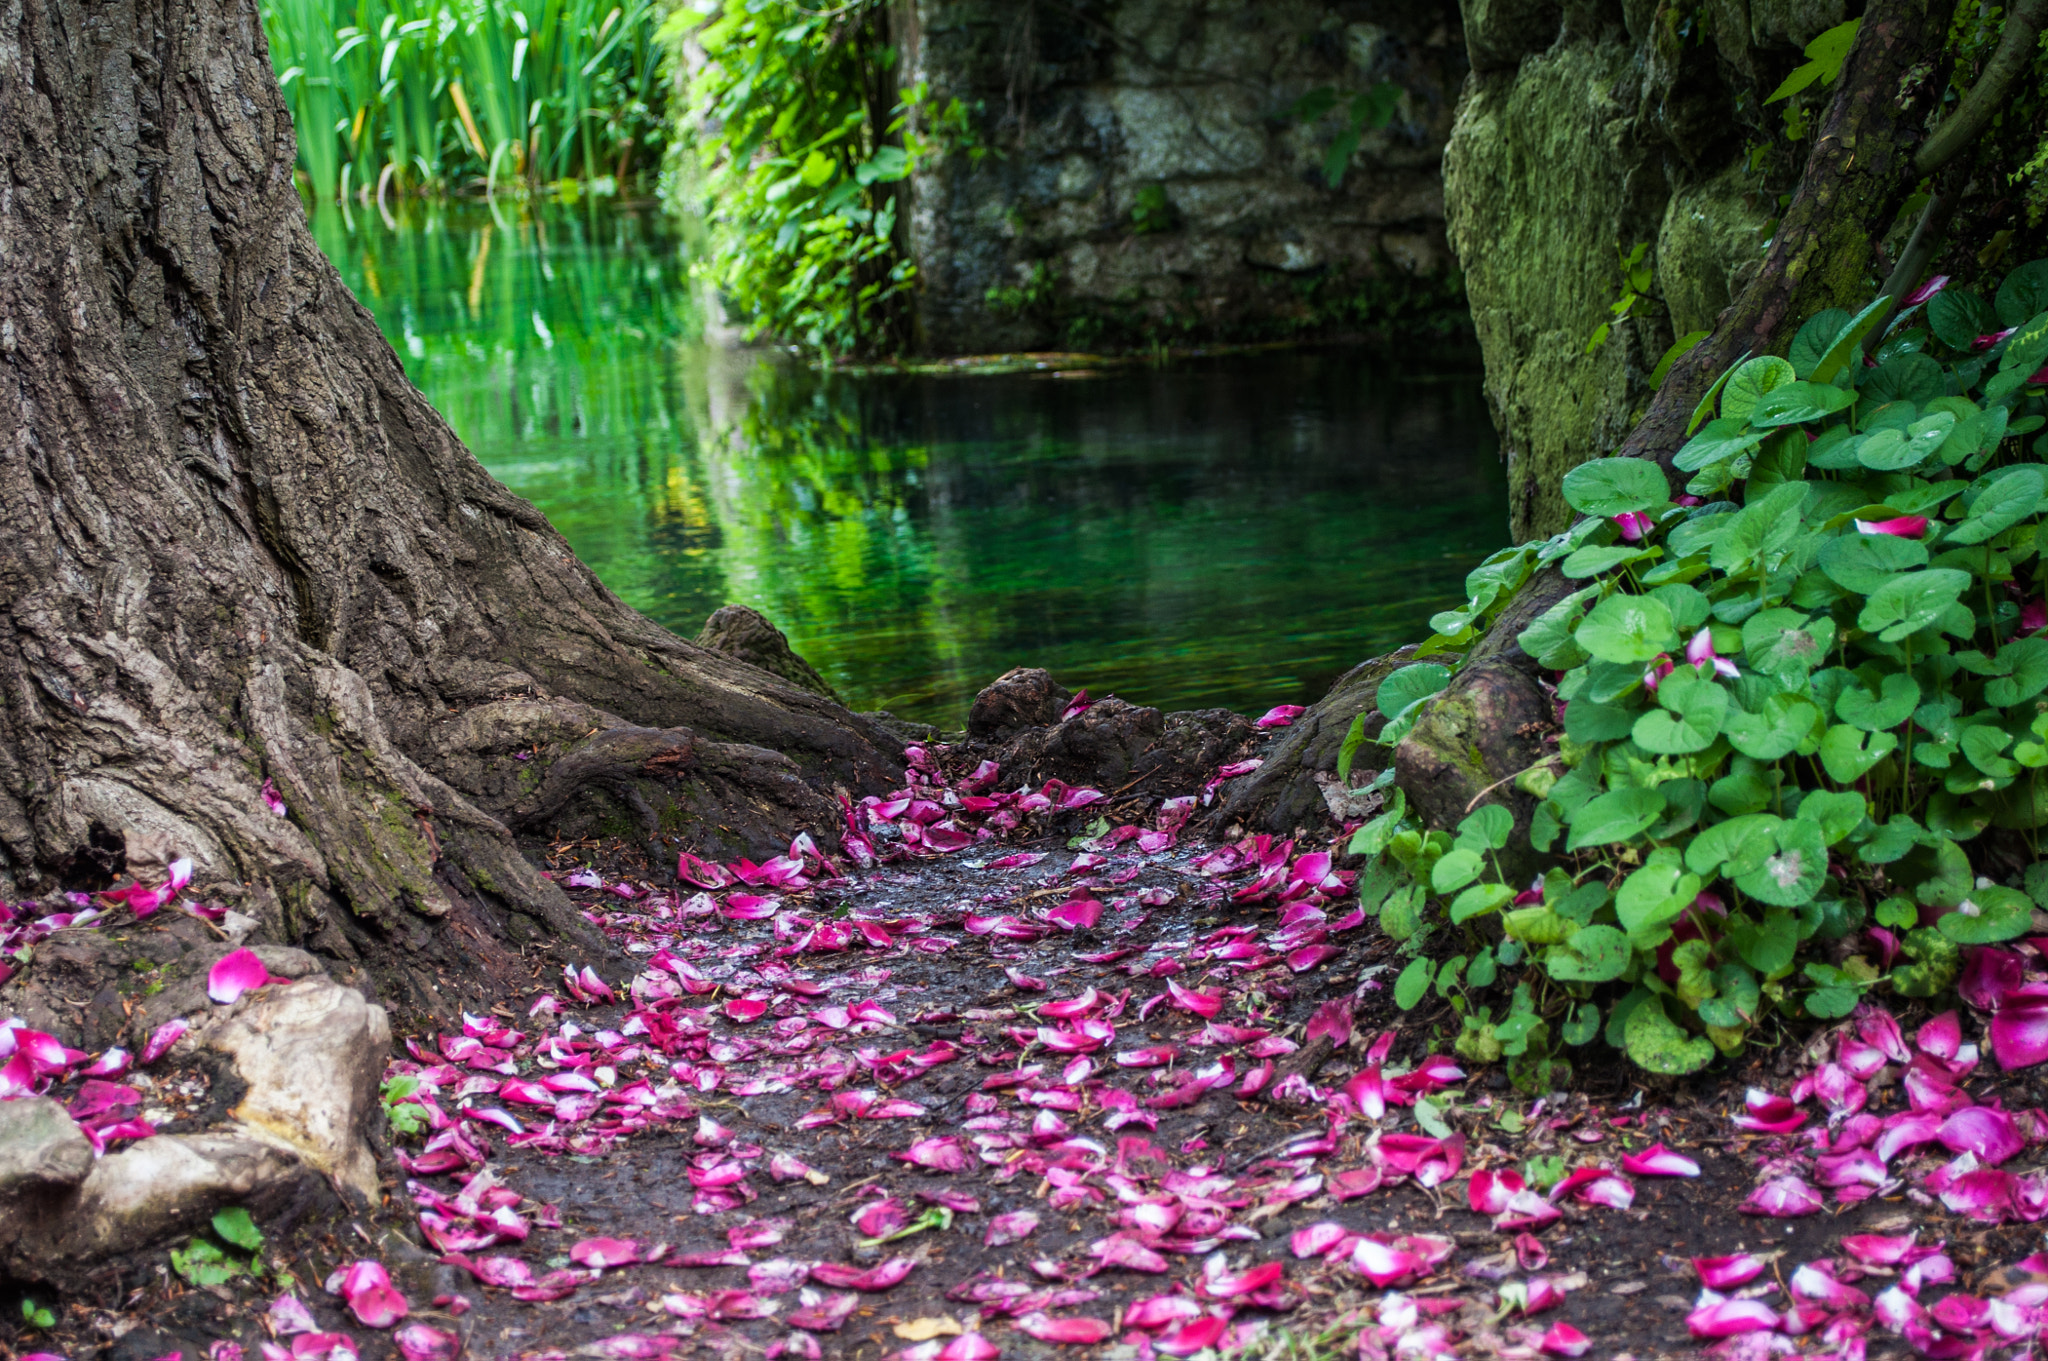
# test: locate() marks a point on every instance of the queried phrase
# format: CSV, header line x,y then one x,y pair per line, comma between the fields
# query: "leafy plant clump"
x,y
800,140
407,1116
1803,707
213,1259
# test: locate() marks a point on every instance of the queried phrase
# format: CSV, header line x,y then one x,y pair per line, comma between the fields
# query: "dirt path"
x,y
979,1103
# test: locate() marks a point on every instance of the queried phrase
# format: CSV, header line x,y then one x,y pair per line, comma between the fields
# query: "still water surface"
x,y
1229,531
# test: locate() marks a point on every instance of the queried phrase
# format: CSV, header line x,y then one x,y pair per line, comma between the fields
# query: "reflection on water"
x,y
1233,531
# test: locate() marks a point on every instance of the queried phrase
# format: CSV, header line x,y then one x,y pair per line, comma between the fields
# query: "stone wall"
x,y
1585,128
1146,179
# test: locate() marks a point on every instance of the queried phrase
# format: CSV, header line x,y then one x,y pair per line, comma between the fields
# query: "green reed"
x,y
438,96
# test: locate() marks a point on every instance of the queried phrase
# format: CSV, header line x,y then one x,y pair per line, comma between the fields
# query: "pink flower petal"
x,y
881,1277
605,1252
1595,1186
1989,973
1725,1273
425,1342
1489,1191
1783,1198
1383,1264
1564,1340
1728,1318
1983,1130
1659,1161
1076,914
1527,1210
1941,1037
2019,1032
1072,1330
1986,1195
236,973
1873,1249
1014,1227
367,1289
1319,1239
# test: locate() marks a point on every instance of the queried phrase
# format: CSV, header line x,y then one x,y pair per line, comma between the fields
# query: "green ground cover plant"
x,y
1803,708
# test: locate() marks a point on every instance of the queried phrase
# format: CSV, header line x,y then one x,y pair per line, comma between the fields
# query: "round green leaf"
x,y
1490,826
1782,642
1859,708
1716,442
1864,562
1479,900
1906,604
1455,870
1958,317
1836,813
1792,873
1688,718
1890,451
2014,496
1409,684
1583,1025
1614,816
1594,954
1799,403
1660,1046
1629,629
1608,486
1814,337
2024,292
1739,843
1848,755
1988,915
1594,559
1831,1003
1652,897
1735,1000
1780,725
1748,384
1909,377
1413,982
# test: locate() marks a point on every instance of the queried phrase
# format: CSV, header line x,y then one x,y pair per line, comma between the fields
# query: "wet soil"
x,y
1243,1173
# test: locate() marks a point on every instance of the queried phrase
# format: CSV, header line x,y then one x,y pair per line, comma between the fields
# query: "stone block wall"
x,y
1146,179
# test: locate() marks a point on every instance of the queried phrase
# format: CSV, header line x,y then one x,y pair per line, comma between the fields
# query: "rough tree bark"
x,y
236,544
1826,246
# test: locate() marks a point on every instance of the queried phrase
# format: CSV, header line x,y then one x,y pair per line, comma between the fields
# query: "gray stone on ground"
x,y
745,635
307,1054
147,1193
41,1147
313,1054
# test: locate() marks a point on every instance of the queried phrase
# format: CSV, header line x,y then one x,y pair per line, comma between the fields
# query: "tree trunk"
x,y
1825,250
237,545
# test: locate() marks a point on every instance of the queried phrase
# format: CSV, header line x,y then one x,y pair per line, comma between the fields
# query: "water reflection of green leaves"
x,y
1237,534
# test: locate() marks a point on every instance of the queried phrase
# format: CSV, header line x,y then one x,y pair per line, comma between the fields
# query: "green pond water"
x,y
1231,531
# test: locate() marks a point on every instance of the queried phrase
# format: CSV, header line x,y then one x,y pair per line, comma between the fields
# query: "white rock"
x,y
312,1053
